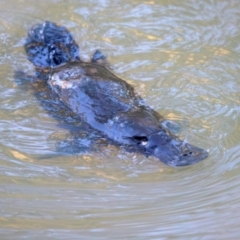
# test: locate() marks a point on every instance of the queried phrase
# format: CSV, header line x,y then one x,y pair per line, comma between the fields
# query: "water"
x,y
183,59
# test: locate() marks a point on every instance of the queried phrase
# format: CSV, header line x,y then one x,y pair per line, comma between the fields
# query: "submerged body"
x,y
106,102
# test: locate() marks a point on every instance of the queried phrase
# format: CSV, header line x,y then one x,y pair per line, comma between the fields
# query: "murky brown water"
x,y
183,58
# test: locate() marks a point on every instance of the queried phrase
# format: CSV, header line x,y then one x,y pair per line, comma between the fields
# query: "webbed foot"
x,y
99,58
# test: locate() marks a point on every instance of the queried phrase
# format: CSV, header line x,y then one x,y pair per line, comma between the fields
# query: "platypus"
x,y
102,99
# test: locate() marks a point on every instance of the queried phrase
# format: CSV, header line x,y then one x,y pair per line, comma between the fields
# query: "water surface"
x,y
183,59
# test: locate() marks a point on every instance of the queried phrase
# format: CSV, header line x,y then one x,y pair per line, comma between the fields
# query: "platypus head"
x,y
171,150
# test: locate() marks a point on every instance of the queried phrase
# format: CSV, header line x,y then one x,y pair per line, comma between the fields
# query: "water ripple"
x,y
182,57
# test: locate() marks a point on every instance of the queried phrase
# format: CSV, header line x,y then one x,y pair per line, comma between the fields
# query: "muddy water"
x,y
183,58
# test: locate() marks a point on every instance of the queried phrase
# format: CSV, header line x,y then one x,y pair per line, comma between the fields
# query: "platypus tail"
x,y
50,45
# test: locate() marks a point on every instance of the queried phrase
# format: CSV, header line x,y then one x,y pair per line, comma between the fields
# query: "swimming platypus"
x,y
103,100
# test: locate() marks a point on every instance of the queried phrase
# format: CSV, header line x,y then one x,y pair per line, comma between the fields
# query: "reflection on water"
x,y
183,59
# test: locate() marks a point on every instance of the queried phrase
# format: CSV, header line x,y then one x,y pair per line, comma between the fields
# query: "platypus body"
x,y
103,100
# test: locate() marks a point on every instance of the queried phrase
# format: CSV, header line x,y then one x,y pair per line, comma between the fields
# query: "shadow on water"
x,y
84,138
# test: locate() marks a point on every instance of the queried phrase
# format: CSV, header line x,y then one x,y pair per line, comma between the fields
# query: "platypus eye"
x,y
143,140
